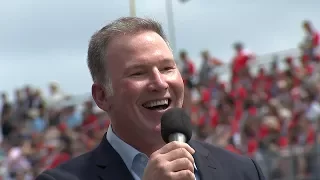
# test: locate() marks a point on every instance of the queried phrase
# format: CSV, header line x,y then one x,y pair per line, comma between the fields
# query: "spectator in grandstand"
x,y
188,69
240,62
56,95
36,123
19,108
6,106
90,119
311,43
70,116
7,126
28,97
208,64
188,76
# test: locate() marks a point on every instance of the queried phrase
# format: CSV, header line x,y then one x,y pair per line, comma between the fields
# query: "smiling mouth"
x,y
157,104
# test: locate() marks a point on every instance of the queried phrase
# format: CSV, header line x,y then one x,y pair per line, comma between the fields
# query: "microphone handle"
x,y
177,137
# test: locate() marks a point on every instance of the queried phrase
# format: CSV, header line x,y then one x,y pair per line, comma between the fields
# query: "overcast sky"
x,y
46,40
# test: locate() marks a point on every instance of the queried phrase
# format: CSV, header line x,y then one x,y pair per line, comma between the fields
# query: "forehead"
x,y
144,47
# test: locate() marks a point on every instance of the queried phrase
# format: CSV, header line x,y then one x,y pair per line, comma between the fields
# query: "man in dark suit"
x,y
136,80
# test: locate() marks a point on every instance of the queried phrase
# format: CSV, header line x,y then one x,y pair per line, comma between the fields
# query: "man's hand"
x,y
172,162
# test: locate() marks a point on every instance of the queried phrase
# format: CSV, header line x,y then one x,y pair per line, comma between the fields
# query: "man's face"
x,y
238,49
183,57
307,27
145,81
205,56
3,97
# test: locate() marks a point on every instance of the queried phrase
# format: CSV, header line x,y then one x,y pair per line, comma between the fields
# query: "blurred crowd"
x,y
40,133
273,115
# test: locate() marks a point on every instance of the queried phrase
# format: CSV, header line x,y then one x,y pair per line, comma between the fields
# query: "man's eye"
x,y
137,74
168,68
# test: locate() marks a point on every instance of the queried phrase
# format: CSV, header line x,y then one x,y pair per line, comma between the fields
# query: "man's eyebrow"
x,y
144,64
168,61
135,66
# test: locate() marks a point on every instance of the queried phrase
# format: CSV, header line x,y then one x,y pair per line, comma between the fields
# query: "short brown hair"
x,y
101,39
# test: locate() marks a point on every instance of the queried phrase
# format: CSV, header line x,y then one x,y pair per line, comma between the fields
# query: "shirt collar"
x,y
126,151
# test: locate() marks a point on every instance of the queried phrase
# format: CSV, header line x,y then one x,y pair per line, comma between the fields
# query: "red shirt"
x,y
283,142
316,39
214,119
261,77
205,96
311,136
238,110
241,60
263,131
91,121
252,147
191,68
188,70
235,126
308,69
239,93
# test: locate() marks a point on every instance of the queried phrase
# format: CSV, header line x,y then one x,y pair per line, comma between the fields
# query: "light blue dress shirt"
x,y
133,159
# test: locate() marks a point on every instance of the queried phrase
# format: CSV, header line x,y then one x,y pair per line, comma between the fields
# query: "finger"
x,y
177,154
175,145
183,175
180,165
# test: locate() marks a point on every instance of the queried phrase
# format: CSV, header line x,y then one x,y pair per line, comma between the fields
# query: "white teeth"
x,y
156,103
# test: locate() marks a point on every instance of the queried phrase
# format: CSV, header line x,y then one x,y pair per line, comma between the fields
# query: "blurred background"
x,y
251,71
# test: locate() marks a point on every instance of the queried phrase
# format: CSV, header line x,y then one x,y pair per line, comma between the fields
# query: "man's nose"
x,y
158,82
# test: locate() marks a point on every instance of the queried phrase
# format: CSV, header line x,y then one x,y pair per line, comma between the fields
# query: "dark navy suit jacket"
x,y
104,163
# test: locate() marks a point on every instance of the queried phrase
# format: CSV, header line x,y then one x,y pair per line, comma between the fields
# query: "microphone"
x,y
176,126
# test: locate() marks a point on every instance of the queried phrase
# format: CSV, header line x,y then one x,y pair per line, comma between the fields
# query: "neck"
x,y
138,140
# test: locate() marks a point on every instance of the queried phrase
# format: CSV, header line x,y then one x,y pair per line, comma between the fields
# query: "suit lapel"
x,y
207,166
109,164
115,171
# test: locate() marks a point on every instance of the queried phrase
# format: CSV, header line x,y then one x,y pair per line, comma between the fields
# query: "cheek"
x,y
176,78
177,88
130,90
177,84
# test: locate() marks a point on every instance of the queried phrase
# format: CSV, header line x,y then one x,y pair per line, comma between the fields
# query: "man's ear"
x,y
101,96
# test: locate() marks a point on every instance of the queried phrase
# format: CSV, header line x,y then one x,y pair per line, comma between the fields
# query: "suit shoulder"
x,y
238,164
73,169
56,174
78,163
223,154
